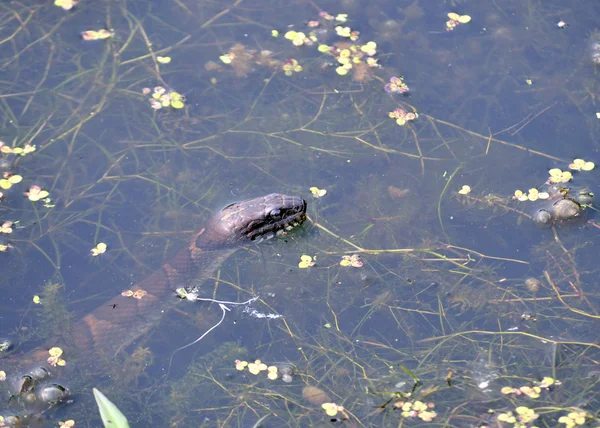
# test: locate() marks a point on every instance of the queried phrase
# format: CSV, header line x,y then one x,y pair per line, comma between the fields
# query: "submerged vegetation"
x,y
421,293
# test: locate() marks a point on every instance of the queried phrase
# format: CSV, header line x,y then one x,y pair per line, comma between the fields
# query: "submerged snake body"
x,y
101,334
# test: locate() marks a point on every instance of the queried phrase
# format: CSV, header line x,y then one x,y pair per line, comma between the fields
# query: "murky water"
x,y
181,108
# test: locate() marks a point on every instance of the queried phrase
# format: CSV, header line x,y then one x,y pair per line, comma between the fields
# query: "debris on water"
x,y
96,35
594,47
533,284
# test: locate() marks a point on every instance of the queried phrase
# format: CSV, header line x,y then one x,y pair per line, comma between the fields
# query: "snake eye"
x,y
275,214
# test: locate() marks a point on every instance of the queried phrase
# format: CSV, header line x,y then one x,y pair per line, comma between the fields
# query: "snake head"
x,y
255,219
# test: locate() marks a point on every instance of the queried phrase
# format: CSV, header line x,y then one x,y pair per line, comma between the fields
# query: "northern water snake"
x,y
100,335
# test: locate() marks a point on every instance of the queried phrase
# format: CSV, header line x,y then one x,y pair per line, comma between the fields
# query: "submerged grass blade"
x,y
110,414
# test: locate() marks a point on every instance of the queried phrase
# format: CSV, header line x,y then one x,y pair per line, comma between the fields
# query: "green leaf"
x,y
410,373
176,103
110,414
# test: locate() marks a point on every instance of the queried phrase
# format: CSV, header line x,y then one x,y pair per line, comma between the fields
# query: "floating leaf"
x,y
274,33
519,195
465,190
291,66
226,59
138,294
533,195
402,117
343,31
240,365
177,104
99,249
37,300
318,193
66,424
22,151
55,351
9,180
396,85
581,165
297,38
370,48
96,35
65,4
353,260
456,19
547,382
163,59
305,261
272,372
332,409
109,413
54,359
559,176
291,35
6,227
531,392
256,367
36,193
